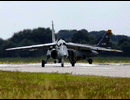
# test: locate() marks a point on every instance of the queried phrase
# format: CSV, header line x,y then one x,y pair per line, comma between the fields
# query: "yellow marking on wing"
x,y
103,49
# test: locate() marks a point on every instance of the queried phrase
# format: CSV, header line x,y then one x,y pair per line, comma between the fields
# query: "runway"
x,y
106,69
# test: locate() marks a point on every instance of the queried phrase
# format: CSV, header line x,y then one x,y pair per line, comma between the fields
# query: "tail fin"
x,y
53,33
105,40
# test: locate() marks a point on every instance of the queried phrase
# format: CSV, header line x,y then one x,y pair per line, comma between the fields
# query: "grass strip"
x,y
39,60
25,85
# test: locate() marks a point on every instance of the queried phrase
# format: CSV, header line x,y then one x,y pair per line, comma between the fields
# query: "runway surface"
x,y
107,69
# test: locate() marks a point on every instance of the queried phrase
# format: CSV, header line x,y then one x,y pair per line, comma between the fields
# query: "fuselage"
x,y
61,51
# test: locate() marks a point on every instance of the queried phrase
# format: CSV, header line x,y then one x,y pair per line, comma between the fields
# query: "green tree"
x,y
5,45
1,41
80,36
125,46
122,40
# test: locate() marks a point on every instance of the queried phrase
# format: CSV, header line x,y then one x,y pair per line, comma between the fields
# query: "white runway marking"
x,y
110,69
97,68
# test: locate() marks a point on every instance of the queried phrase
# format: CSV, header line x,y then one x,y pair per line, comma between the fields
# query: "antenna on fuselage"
x,y
53,32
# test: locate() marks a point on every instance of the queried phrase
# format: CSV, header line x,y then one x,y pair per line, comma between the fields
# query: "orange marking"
x,y
109,31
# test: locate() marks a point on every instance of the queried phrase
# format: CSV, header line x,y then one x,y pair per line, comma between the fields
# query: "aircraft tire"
x,y
62,65
59,60
90,61
54,61
43,63
73,64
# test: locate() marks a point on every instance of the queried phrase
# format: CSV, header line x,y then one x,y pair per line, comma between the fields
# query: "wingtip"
x,y
7,49
119,50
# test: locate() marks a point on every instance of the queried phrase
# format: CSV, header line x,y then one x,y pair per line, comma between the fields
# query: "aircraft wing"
x,y
89,47
78,46
31,47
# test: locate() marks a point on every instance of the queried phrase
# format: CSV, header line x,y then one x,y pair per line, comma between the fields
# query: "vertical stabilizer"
x,y
105,40
53,33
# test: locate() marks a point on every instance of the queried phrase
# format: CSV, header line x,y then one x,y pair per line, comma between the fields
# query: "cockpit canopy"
x,y
61,41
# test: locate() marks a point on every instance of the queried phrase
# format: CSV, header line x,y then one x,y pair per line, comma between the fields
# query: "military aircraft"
x,y
60,50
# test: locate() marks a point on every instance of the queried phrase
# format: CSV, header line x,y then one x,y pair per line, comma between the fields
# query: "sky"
x,y
16,16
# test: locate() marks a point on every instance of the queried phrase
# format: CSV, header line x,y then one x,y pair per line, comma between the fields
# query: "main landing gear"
x,y
90,61
44,62
73,64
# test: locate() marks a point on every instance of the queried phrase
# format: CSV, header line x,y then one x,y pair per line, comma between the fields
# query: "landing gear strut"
x,y
62,63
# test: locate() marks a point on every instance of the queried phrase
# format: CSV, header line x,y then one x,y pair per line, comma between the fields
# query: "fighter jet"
x,y
60,50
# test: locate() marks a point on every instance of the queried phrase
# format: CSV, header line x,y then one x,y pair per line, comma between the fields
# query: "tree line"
x,y
42,35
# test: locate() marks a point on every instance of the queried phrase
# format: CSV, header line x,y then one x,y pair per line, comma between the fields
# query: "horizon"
x,y
67,15
65,29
